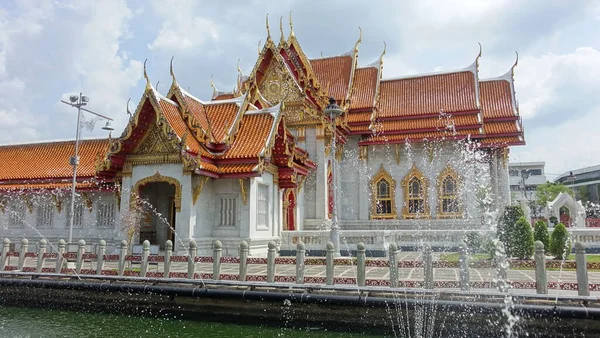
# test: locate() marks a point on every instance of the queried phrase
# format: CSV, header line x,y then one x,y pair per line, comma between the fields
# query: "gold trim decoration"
x,y
449,173
505,153
87,200
415,174
198,188
244,190
3,205
28,203
285,206
118,194
157,177
383,175
57,203
397,153
363,152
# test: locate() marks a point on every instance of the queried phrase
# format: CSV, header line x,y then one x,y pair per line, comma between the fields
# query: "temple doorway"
x,y
565,216
289,210
158,219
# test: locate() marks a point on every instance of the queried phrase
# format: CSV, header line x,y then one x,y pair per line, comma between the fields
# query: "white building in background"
x,y
524,178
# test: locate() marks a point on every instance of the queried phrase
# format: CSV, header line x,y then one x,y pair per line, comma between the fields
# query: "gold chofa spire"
x,y
171,70
148,84
291,26
268,30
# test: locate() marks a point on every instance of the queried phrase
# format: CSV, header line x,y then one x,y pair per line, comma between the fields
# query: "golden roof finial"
x,y
212,84
358,41
258,49
291,25
516,62
268,30
157,83
478,56
148,84
383,53
239,69
281,34
171,70
129,112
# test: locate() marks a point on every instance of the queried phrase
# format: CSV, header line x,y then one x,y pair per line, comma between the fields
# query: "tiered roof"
x,y
246,131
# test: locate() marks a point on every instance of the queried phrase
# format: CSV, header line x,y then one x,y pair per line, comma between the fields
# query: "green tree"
x,y
521,238
560,242
506,225
540,233
548,191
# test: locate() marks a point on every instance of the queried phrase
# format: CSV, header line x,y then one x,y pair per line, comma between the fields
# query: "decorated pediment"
x,y
155,142
277,85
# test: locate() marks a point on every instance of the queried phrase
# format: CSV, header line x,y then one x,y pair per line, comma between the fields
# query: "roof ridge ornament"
x,y
383,53
258,48
129,112
148,84
212,84
281,34
291,26
478,56
171,70
358,41
512,69
268,30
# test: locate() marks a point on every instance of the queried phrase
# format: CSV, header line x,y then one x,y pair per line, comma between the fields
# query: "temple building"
x,y
425,151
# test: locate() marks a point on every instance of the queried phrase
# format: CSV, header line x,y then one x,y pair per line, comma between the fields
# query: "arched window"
x,y
383,205
448,194
415,194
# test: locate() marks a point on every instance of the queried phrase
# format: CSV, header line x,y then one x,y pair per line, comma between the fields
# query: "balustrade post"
x,y
271,262
300,256
463,265
192,251
217,254
427,267
393,264
60,258
24,246
5,250
541,279
100,257
583,287
80,252
167,262
361,261
41,252
122,254
243,261
145,255
329,268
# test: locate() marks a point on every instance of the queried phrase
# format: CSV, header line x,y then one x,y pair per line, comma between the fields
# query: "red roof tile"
x,y
421,136
252,136
335,73
448,122
496,99
450,92
363,88
221,117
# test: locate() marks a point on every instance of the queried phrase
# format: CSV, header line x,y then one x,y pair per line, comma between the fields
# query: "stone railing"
x,y
192,266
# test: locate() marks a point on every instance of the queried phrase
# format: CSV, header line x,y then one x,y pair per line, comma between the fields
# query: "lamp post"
x,y
333,111
78,102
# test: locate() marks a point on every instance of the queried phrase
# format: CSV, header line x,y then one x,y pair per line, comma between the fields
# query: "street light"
x,y
78,101
333,111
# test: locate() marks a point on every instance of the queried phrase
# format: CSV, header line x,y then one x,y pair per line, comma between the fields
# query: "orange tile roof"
x,y
501,127
499,141
49,160
449,122
450,92
359,117
224,96
427,135
335,73
496,99
252,136
363,88
221,117
176,122
237,168
197,109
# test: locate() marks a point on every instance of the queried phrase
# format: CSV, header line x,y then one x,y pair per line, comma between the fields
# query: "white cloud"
x,y
182,29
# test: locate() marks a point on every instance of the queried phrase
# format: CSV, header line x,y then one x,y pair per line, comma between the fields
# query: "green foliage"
x,y
521,238
560,242
553,220
489,247
540,233
474,240
506,224
548,191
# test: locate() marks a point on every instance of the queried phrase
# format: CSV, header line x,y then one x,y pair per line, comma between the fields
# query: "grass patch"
x,y
589,258
453,257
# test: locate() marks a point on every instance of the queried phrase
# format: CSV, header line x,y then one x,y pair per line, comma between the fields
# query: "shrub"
x,y
521,239
560,242
489,247
474,241
553,220
506,225
540,233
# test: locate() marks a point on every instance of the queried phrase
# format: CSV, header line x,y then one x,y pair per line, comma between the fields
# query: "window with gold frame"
x,y
383,200
415,187
448,194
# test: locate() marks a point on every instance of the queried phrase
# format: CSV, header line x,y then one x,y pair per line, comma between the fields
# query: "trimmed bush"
x,y
554,220
560,242
474,241
522,239
540,233
506,225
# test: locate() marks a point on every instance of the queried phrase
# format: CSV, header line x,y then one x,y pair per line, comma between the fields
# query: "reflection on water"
x,y
24,322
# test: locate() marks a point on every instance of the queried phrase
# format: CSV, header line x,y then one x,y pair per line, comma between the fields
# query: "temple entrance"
x,y
158,219
565,216
289,210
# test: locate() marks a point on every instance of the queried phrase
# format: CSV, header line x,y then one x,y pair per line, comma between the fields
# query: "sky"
x,y
52,49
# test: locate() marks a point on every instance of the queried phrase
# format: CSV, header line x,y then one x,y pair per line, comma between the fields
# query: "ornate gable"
x,y
155,142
